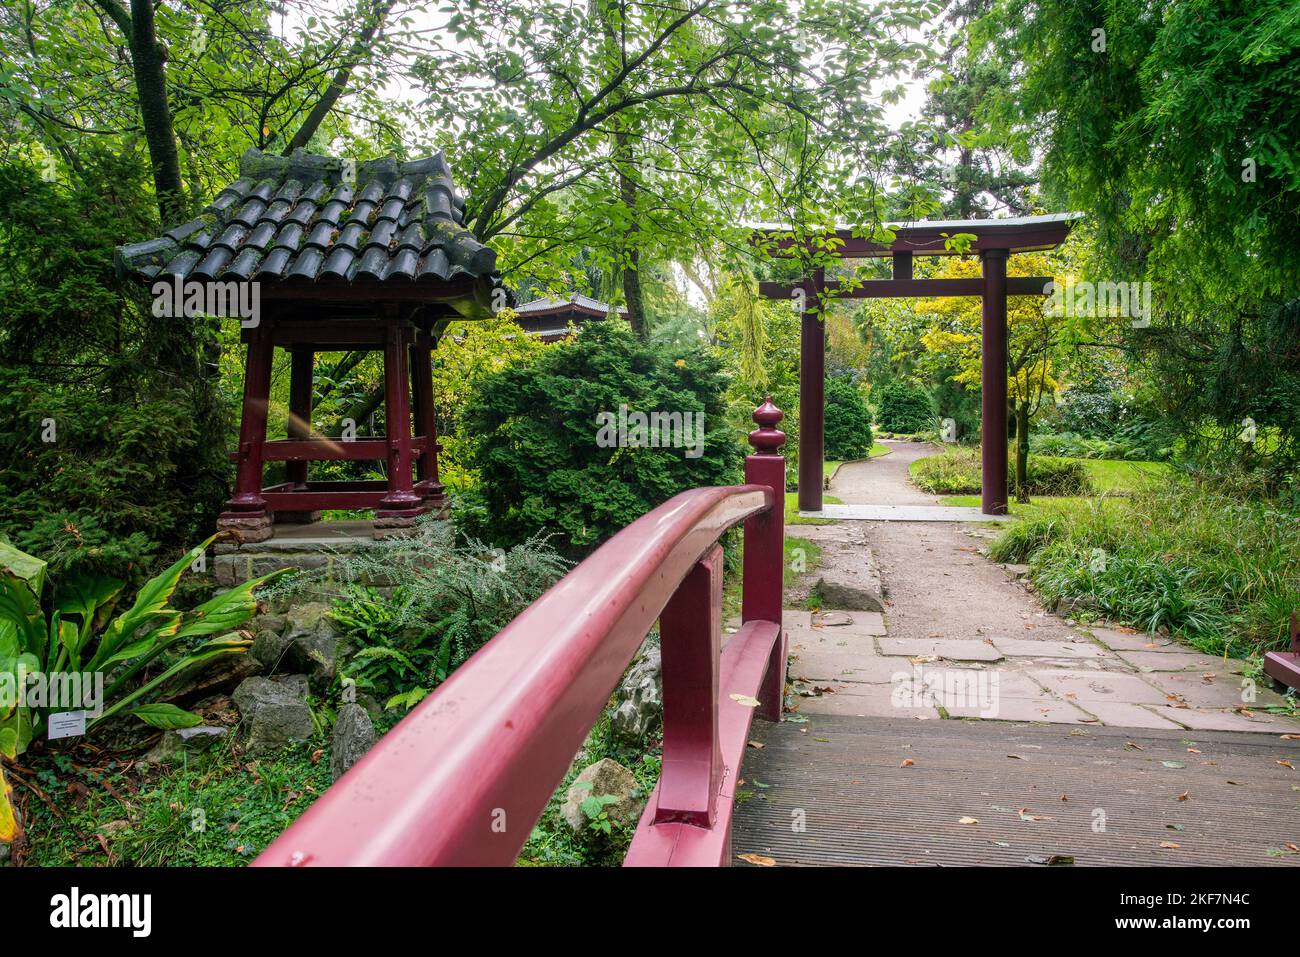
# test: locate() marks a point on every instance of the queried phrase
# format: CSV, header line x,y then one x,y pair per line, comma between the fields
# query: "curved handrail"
x,y
466,775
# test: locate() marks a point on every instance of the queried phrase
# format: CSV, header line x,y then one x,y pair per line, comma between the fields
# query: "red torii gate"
x,y
993,240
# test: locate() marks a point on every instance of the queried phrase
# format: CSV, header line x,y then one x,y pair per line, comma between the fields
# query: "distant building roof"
x,y
550,319
300,218
577,305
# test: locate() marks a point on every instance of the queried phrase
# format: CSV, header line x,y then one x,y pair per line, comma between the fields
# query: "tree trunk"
x,y
339,82
627,190
1022,452
147,57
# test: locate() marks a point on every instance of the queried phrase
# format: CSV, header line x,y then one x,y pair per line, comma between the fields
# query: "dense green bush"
x,y
848,422
447,600
1222,572
1081,447
113,432
905,408
541,438
958,472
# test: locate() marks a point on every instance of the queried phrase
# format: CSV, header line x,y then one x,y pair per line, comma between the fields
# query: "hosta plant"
x,y
75,633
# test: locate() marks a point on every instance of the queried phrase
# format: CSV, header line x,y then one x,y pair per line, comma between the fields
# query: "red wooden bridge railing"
x,y
465,776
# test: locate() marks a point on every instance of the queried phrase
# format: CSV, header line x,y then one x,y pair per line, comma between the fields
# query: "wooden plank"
x,y
893,791
310,501
741,671
330,450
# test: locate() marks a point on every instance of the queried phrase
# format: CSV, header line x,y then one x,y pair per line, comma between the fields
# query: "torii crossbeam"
x,y
994,240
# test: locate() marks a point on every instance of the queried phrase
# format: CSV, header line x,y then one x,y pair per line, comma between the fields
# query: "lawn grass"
x,y
1116,476
802,556
217,808
1108,478
877,450
792,516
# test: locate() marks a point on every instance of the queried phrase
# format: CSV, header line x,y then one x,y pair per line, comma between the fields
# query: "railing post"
x,y
690,637
764,564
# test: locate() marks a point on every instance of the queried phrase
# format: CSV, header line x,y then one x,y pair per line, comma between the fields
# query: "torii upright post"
x,y
993,378
812,397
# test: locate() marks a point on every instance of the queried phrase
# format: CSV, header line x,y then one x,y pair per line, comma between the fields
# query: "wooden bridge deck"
x,y
1104,796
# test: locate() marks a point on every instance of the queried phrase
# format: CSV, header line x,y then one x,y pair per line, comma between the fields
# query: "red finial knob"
x,y
767,438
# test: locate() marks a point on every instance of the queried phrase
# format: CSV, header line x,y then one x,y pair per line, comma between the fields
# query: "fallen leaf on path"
x,y
1025,815
1134,746
1050,860
907,763
968,820
1176,765
758,860
757,744
1170,845
1286,764
1291,737
1183,796
744,699
1015,757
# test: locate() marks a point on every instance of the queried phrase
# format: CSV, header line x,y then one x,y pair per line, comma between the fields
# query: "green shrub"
x,y
958,472
541,437
447,600
905,408
113,430
1118,447
56,639
1221,572
848,422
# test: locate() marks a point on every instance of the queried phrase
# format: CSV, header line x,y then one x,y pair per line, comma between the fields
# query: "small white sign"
x,y
67,724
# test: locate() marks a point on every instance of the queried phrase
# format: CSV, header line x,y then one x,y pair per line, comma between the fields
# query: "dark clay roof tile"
x,y
292,217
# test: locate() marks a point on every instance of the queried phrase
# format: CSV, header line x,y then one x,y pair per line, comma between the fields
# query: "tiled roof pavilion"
x,y
550,319
303,221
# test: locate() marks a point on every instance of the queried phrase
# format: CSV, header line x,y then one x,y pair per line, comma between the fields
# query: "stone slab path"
x,y
904,513
962,637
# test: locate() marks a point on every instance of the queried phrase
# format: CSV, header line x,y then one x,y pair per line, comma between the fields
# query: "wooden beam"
x,y
909,288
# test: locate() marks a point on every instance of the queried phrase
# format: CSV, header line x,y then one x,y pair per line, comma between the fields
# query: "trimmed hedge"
x,y
906,408
957,472
848,422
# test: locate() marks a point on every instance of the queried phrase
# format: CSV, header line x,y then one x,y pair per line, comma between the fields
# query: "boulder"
x,y
852,586
640,700
312,640
270,640
605,777
1072,606
273,713
354,735
181,741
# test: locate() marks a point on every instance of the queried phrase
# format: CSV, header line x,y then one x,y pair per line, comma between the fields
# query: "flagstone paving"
x,y
962,637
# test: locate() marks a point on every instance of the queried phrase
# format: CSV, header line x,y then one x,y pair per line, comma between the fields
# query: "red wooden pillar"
x,y
401,502
993,381
426,423
690,632
299,427
247,509
764,559
812,398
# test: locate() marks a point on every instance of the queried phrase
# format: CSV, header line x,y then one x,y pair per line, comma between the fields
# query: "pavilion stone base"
x,y
320,545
